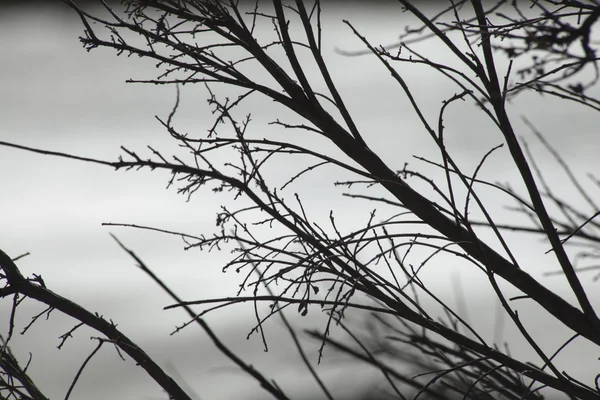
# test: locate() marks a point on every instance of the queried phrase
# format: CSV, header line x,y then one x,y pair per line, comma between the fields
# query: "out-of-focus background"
x,y
54,95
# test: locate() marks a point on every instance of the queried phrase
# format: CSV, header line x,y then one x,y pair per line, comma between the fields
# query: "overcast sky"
x,y
54,95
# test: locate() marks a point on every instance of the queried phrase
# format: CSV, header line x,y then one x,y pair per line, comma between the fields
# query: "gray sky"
x,y
57,96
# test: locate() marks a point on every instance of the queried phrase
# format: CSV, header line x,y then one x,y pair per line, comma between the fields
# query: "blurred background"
x,y
54,95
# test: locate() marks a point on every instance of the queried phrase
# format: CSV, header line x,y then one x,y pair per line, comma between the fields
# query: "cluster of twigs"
x,y
449,371
297,261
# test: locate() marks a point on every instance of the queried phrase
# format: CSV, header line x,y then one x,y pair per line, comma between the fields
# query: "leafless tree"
x,y
419,217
